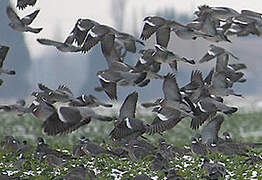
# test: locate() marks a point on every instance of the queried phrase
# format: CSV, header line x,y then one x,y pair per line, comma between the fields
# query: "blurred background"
x,y
35,63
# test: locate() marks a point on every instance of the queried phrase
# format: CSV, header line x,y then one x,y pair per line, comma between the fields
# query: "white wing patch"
x,y
150,23
162,117
101,77
128,123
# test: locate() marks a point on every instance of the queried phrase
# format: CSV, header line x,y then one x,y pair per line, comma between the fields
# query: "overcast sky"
x,y
59,16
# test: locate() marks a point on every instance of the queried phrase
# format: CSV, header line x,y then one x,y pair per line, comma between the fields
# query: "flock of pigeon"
x,y
200,100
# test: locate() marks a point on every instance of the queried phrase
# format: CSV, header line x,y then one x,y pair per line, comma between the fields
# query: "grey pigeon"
x,y
3,52
127,127
214,52
162,27
94,149
11,144
58,122
80,31
172,175
22,4
162,55
80,173
44,149
215,170
77,148
110,89
159,163
22,25
197,147
210,130
19,107
136,153
61,46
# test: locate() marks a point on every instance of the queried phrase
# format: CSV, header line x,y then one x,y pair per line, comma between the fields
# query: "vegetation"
x,y
242,126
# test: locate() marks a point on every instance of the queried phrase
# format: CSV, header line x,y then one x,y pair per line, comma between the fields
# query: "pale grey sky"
x,y
59,16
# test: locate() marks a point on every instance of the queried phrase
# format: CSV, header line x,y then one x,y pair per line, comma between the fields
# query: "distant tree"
x,y
170,13
118,11
17,58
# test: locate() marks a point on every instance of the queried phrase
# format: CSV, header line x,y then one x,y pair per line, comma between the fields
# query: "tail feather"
x,y
231,111
35,30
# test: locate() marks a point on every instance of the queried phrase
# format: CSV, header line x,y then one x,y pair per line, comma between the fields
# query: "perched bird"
x,y
44,149
11,144
24,147
197,147
94,149
21,161
172,175
53,160
168,150
139,177
215,170
244,145
159,163
136,153
77,149
80,173
253,159
226,149
22,25
3,52
61,46
22,4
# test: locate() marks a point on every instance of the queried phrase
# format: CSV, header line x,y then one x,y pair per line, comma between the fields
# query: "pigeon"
x,y
197,147
94,149
80,173
214,52
22,4
61,46
210,130
215,170
18,107
22,25
44,149
127,127
3,52
11,144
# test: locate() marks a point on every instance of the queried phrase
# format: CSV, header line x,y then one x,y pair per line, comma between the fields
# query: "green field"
x,y
242,126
